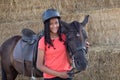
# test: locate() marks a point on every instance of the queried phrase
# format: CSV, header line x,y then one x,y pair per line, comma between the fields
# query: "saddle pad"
x,y
23,51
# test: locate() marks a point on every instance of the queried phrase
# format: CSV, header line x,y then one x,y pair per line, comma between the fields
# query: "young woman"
x,y
52,57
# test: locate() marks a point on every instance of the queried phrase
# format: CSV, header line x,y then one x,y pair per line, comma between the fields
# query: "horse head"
x,y
76,45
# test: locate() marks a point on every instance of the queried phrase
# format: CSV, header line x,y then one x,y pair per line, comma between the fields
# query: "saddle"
x,y
29,36
26,47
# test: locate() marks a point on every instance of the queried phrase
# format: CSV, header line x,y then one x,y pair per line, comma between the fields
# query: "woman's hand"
x,y
87,44
63,75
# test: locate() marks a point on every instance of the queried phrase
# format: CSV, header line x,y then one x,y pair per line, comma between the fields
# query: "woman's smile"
x,y
54,25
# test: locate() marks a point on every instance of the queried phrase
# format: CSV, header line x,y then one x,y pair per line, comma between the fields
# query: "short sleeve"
x,y
41,44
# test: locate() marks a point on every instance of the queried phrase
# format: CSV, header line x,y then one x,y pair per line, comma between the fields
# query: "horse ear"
x,y
85,21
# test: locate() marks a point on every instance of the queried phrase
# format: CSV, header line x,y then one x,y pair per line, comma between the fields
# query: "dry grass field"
x,y
103,29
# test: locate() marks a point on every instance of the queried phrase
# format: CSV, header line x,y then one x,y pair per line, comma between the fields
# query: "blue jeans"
x,y
57,78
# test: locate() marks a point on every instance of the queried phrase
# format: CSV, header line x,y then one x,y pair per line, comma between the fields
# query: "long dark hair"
x,y
47,32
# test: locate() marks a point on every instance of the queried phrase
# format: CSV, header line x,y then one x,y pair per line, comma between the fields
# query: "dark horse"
x,y
11,67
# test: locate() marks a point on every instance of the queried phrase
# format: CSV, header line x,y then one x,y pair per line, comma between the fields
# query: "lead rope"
x,y
72,72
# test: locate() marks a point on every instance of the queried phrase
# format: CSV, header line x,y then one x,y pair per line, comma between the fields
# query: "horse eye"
x,y
77,34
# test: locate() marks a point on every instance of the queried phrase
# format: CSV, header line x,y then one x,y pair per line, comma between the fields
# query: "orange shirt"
x,y
55,59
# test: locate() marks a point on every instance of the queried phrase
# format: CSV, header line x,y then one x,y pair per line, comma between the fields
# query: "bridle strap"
x,y
72,72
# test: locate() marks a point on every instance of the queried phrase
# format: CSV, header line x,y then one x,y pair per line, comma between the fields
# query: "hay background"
x,y
103,29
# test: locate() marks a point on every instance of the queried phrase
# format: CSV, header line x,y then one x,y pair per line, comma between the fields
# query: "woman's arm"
x,y
44,69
